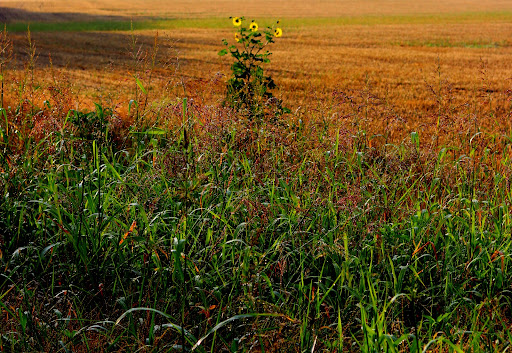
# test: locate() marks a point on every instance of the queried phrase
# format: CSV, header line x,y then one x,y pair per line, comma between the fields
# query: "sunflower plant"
x,y
248,87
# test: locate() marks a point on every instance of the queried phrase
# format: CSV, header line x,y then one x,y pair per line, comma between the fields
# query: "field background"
x,y
288,8
421,60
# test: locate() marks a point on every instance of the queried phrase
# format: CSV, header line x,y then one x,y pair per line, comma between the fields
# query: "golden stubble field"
x,y
266,8
404,66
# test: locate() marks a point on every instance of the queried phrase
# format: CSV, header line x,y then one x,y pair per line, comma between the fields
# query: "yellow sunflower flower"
x,y
237,21
237,37
254,26
278,32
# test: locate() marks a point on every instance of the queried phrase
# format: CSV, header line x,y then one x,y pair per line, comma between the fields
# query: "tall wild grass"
x,y
188,227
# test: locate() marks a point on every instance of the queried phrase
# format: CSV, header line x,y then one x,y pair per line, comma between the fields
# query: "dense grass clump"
x,y
200,229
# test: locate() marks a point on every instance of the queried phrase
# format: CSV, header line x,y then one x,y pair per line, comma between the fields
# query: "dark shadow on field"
x,y
91,50
108,51
10,15
108,59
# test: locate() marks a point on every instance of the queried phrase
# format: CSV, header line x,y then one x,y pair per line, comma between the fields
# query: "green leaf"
x,y
225,322
140,309
223,52
132,102
140,86
48,248
111,168
153,131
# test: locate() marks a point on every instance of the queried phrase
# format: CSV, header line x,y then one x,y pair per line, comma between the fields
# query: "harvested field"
x,y
264,8
420,70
